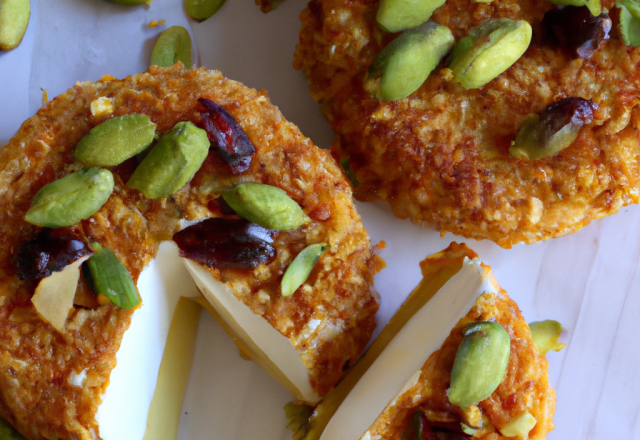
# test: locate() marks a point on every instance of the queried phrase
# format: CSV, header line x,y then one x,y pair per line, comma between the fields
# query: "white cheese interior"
x,y
396,367
125,404
243,321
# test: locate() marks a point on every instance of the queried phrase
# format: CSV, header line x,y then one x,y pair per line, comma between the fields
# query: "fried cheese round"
x,y
37,361
441,156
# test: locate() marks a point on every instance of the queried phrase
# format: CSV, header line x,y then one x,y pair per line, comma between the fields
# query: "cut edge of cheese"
x,y
400,362
254,335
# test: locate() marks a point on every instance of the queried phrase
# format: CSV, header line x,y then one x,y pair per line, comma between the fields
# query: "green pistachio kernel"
x,y
398,15
480,363
405,63
298,415
116,140
173,45
632,5
629,26
345,164
75,197
172,162
14,19
595,6
130,2
301,267
489,50
265,205
545,336
519,426
468,429
201,10
107,276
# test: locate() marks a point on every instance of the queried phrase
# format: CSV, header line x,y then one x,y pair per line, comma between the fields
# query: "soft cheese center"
x,y
396,367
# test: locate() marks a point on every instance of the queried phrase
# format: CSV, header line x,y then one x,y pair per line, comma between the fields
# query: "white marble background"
x,y
588,281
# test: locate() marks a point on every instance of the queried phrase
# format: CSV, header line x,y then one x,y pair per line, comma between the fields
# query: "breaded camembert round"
x,y
441,156
329,317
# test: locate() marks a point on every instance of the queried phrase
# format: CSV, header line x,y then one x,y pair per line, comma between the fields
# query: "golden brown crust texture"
x,y
524,388
36,361
440,157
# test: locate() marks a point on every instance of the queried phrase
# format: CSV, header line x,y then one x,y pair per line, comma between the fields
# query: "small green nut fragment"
x,y
265,205
173,45
520,426
298,415
480,363
116,140
71,199
172,162
545,336
468,429
14,19
488,51
405,63
595,6
301,267
629,26
107,276
398,15
8,432
201,10
345,164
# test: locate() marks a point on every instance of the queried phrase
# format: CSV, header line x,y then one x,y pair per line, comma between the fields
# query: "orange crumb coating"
x,y
36,361
525,386
441,156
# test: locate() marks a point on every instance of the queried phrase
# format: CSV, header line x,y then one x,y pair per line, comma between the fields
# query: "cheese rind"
x,y
405,355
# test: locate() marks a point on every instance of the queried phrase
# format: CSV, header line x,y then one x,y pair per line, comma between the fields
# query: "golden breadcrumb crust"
x,y
525,386
36,361
441,156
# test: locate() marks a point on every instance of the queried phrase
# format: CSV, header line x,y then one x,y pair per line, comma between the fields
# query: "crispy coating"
x,y
525,386
36,362
441,156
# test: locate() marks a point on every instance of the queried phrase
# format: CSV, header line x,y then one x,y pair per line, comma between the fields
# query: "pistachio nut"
x,y
545,336
14,19
553,129
468,429
75,197
172,162
519,426
301,267
480,363
265,205
489,50
405,63
173,45
107,276
629,25
298,415
201,10
8,432
116,140
398,15
346,166
595,6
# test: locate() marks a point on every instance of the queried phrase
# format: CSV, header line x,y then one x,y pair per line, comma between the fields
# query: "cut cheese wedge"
x,y
398,366
408,367
255,336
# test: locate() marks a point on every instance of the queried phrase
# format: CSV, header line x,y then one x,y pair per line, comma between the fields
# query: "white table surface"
x,y
588,281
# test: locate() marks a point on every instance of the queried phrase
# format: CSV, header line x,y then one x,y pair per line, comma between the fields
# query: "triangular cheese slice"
x,y
412,373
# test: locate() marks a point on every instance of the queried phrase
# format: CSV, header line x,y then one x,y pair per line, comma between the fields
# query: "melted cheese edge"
x,y
278,355
398,366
